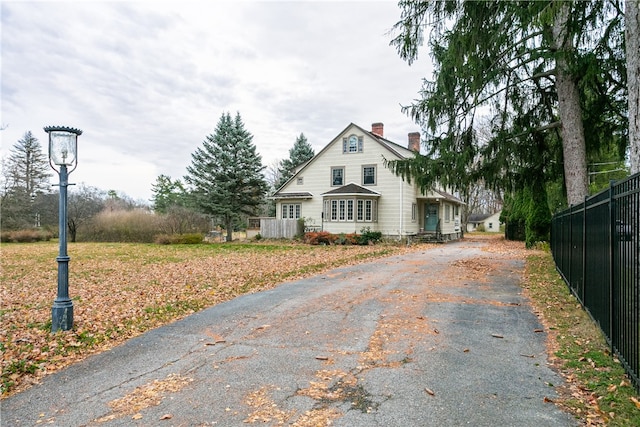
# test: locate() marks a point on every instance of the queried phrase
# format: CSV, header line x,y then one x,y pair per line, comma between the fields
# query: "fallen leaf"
x,y
430,392
538,330
635,402
137,416
547,400
497,336
322,358
166,417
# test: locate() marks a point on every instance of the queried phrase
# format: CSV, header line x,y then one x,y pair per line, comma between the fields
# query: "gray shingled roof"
x,y
302,195
351,189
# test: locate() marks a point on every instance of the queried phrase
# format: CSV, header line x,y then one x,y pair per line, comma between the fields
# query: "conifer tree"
x,y
25,177
225,174
167,193
28,166
300,153
548,73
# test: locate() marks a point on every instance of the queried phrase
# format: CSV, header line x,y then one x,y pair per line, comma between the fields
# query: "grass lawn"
x,y
121,290
597,390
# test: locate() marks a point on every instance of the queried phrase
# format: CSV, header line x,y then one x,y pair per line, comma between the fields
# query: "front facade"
x,y
484,222
346,188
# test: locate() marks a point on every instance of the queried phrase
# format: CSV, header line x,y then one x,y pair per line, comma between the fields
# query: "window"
x,y
352,144
337,176
291,210
367,210
490,225
300,181
457,210
368,175
350,210
447,214
414,212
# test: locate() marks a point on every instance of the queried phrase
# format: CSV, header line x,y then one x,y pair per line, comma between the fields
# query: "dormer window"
x,y
352,144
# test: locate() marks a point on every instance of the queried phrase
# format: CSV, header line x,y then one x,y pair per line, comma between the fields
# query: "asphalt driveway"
x,y
440,337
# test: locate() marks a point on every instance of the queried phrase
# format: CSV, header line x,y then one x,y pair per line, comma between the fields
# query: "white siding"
x,y
396,196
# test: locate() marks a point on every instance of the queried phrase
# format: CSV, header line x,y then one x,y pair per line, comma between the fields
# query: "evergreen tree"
x,y
530,66
167,193
25,175
28,167
225,174
300,153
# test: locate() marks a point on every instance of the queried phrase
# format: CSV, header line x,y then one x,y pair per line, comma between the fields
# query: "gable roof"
x,y
351,189
449,197
478,218
301,195
395,149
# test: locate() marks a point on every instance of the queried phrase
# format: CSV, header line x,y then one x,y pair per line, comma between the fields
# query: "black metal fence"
x,y
596,248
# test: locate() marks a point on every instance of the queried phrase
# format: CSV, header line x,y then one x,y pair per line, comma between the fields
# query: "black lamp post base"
x,y
62,317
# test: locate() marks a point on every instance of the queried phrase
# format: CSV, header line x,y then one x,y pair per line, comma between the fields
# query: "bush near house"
x,y
366,237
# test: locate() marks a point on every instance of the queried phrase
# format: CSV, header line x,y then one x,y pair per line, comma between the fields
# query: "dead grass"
x,y
596,389
122,290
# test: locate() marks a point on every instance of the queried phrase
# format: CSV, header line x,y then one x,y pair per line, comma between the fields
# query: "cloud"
x,y
148,81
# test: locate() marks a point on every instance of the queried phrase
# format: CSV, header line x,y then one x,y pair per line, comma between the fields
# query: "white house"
x,y
486,222
346,187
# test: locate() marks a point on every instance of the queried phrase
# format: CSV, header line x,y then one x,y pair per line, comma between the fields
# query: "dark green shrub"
x,y
191,238
179,239
368,237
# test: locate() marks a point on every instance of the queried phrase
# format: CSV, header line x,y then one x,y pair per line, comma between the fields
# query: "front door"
x,y
431,217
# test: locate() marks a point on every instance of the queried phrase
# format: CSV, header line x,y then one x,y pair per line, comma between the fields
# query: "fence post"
x,y
584,250
570,254
612,243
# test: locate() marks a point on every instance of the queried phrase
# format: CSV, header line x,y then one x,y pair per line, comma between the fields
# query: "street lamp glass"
x,y
63,147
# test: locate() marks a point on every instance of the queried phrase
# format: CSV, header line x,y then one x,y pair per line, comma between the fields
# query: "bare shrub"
x,y
137,225
181,220
25,236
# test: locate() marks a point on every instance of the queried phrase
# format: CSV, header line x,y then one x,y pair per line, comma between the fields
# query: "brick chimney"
x,y
378,129
414,141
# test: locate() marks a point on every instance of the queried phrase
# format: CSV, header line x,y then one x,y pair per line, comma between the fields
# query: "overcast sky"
x,y
147,81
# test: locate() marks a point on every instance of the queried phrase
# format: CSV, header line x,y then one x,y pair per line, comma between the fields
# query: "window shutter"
x,y
360,143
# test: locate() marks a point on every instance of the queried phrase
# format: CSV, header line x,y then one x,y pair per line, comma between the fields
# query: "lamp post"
x,y
63,150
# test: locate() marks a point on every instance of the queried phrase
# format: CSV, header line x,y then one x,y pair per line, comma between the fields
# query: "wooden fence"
x,y
274,228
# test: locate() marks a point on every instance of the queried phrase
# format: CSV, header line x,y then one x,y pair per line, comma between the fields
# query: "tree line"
x,y
224,184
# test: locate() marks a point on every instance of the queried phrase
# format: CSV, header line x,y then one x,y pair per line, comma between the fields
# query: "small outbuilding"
x,y
484,222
